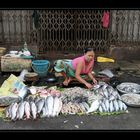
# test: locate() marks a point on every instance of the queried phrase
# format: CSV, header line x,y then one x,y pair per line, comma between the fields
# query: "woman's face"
x,y
89,56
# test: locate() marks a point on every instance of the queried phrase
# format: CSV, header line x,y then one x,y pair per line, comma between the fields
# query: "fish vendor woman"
x,y
77,68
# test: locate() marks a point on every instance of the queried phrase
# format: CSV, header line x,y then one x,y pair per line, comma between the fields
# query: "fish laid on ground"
x,y
116,106
103,107
40,105
86,106
94,106
14,111
60,107
20,111
10,110
100,108
111,108
124,106
105,92
50,102
120,105
33,110
107,104
55,106
27,109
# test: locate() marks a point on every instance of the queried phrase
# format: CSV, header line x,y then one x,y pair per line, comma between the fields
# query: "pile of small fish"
x,y
76,100
129,89
131,99
34,108
74,108
78,95
110,102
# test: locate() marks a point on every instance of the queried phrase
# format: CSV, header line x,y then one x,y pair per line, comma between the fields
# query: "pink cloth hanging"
x,y
105,19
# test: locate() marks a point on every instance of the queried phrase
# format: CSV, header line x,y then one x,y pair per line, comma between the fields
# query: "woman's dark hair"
x,y
88,49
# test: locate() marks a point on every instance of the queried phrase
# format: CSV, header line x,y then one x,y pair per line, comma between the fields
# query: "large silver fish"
x,y
124,106
107,104
111,107
94,106
14,111
20,111
60,107
100,108
50,105
10,110
33,110
120,105
27,109
103,107
40,105
105,92
85,105
55,106
116,106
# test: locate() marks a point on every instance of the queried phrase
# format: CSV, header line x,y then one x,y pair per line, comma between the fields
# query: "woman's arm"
x,y
78,77
90,75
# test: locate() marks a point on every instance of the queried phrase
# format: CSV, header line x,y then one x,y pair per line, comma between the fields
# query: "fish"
x,y
27,109
40,105
37,99
14,109
110,89
105,92
10,110
33,110
100,108
20,111
50,102
116,106
120,104
85,105
94,106
112,97
55,106
7,113
82,107
60,107
104,107
43,112
115,94
111,108
104,86
107,105
124,106
95,87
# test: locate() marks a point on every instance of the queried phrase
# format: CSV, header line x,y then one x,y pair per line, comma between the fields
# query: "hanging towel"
x,y
105,19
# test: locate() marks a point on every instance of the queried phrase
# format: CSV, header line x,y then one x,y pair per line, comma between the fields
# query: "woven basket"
x,y
13,64
2,51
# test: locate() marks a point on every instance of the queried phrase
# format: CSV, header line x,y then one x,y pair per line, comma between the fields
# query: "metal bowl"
x,y
132,100
127,87
51,80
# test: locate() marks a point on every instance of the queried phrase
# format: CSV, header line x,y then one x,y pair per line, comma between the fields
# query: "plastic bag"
x,y
104,59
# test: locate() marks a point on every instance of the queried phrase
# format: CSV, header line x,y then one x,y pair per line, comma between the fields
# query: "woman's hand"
x,y
94,81
88,85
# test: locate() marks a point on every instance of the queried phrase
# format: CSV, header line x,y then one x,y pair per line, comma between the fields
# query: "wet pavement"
x,y
125,121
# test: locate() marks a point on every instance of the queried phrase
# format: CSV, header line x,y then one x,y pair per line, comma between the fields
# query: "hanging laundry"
x,y
105,19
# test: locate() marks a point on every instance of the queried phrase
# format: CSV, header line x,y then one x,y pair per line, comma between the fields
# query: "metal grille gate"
x,y
71,30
